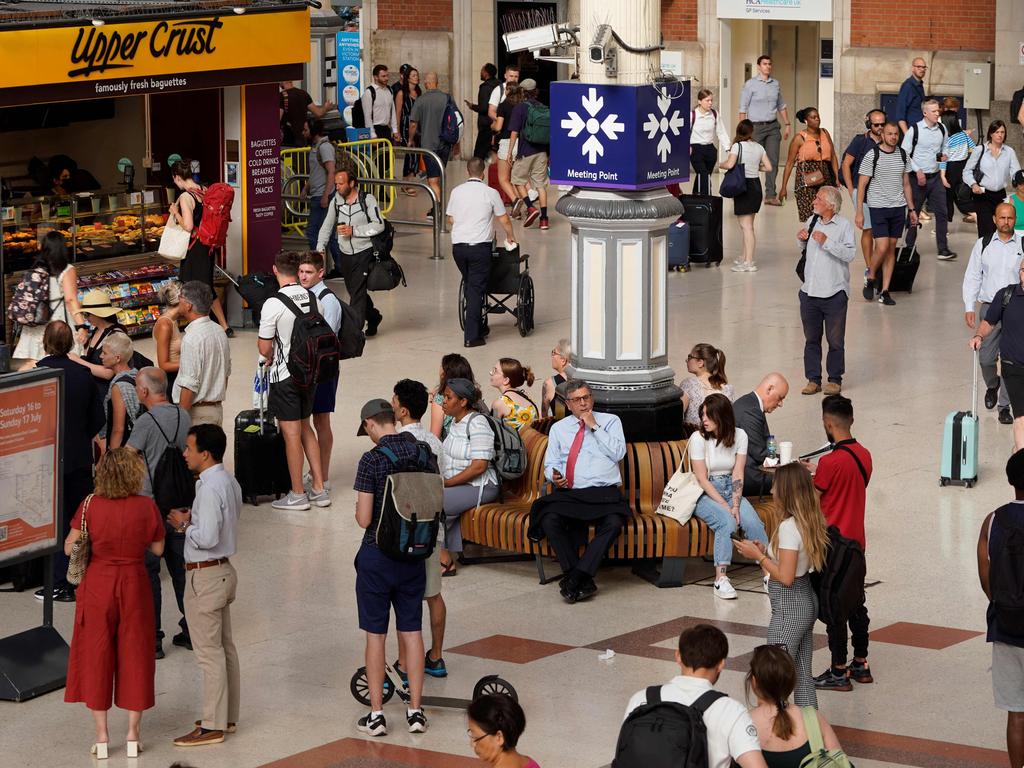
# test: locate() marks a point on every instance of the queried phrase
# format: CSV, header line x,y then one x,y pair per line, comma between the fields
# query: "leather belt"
x,y
931,175
764,122
205,564
207,402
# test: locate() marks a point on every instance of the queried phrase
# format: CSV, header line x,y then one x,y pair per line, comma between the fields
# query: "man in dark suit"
x,y
83,409
750,413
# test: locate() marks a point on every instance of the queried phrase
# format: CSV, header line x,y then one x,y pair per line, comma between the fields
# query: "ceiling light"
x,y
97,22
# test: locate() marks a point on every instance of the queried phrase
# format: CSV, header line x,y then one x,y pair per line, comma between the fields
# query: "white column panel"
x,y
592,299
659,278
574,291
630,295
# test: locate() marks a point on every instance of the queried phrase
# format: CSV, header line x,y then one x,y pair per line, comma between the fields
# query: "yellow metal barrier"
x,y
374,158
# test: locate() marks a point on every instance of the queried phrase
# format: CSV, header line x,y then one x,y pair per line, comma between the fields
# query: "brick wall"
x,y
679,20
423,15
933,25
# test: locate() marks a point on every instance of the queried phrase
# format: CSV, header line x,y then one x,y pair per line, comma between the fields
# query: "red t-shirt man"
x,y
843,487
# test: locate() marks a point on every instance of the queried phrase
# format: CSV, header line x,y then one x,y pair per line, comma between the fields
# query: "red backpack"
x,y
213,227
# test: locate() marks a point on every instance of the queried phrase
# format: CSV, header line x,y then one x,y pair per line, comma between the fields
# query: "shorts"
x,y
532,168
888,222
1013,378
289,403
866,211
503,148
433,573
1008,677
382,583
433,169
324,396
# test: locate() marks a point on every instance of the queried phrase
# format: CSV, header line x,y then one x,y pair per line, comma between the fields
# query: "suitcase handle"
x,y
974,387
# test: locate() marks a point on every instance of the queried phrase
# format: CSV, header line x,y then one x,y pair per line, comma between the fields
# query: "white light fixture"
x,y
238,9
97,22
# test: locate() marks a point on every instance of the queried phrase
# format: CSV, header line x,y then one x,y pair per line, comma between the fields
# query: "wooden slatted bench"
x,y
657,546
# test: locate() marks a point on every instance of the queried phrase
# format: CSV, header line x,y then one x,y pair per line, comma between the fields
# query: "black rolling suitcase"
x,y
704,215
261,465
908,260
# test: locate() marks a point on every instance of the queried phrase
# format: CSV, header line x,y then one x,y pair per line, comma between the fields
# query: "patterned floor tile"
x,y
922,635
517,650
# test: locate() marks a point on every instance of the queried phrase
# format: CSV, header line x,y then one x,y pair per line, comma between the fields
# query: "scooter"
x,y
488,684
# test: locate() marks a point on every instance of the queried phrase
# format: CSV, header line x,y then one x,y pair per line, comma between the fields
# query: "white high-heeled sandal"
x,y
133,747
99,750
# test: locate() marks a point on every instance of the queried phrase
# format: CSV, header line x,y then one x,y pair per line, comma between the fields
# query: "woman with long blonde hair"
x,y
798,545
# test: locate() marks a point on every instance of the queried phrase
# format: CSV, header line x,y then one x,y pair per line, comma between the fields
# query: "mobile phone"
x,y
739,534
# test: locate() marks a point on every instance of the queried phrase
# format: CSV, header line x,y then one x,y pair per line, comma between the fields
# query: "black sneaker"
x,y
416,719
830,681
434,668
1005,417
946,255
885,298
182,641
991,396
860,672
160,649
869,289
375,726
60,594
400,671
373,322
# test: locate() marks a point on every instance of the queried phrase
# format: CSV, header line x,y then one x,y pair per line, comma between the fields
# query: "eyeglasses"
x,y
878,125
474,739
920,66
579,400
694,357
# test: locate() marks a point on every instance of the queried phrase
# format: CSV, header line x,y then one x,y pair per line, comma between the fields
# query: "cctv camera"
x,y
599,48
533,39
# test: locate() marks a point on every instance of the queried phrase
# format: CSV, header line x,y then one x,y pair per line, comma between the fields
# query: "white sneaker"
x,y
296,501
751,267
322,499
739,267
724,589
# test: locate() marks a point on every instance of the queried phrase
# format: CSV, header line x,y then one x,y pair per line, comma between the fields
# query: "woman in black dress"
x,y
187,210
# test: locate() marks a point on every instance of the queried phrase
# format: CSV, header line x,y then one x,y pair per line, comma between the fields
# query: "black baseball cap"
x,y
371,409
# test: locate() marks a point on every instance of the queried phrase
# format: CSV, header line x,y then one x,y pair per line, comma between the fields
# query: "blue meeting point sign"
x,y
620,136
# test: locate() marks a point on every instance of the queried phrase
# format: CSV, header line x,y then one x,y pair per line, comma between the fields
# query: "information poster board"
x,y
30,464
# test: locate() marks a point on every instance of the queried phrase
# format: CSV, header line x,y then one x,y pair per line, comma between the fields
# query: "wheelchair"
x,y
505,283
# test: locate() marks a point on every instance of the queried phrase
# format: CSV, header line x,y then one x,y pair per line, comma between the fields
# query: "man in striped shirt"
x,y
885,187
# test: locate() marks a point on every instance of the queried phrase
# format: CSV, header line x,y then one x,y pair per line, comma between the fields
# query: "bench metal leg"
x,y
544,579
670,574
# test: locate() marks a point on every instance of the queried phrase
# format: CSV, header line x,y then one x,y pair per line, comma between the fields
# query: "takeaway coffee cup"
x,y
785,452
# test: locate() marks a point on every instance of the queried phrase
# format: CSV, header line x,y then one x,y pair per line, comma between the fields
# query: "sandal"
x,y
410,191
448,569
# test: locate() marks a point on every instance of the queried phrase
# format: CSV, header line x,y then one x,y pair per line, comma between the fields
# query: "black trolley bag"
x,y
704,215
908,261
261,466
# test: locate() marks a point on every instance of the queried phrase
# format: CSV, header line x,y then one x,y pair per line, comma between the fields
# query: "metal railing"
x,y
374,158
297,205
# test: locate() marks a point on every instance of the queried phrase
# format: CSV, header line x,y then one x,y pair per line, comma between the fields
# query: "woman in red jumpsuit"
x,y
112,645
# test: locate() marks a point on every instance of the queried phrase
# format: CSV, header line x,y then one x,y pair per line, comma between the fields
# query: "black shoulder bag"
x,y
802,263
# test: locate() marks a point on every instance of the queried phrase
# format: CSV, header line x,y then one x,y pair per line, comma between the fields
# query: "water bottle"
x,y
773,447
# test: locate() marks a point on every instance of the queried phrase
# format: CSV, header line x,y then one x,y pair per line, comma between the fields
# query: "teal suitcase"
x,y
959,465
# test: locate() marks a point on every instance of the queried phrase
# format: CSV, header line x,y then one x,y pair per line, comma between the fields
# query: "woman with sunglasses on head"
x,y
797,546
707,364
813,155
782,727
496,721
551,402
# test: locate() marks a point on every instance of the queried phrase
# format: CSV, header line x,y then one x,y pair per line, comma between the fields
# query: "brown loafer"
x,y
812,388
199,738
232,727
832,388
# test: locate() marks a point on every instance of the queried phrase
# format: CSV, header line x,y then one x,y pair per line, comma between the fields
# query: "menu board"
x,y
30,419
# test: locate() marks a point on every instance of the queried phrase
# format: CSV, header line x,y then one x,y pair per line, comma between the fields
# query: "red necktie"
x,y
574,453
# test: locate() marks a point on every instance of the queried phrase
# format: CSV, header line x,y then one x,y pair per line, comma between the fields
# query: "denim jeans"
x,y
721,521
828,314
317,214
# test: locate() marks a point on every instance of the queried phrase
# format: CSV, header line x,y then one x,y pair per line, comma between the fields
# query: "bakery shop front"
x,y
98,100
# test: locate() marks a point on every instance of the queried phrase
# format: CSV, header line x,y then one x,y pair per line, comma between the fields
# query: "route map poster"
x,y
29,465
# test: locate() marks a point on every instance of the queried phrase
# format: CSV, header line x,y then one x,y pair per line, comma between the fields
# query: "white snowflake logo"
x,y
610,126
664,124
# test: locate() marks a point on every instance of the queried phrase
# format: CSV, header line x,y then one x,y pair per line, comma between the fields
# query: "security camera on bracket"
x,y
557,39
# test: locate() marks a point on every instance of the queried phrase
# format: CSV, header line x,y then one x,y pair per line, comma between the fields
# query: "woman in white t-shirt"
x,y
718,454
797,547
469,478
747,204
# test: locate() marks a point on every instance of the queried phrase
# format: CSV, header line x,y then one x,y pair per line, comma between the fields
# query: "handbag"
x,y
80,550
735,181
681,493
801,265
814,178
174,241
820,757
384,274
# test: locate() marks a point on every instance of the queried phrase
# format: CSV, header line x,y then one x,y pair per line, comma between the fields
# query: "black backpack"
x,y
840,584
1006,579
1015,104
129,417
509,453
358,118
315,351
172,482
665,734
413,503
350,333
876,153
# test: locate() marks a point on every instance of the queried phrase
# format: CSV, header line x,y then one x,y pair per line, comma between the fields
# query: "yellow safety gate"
x,y
374,158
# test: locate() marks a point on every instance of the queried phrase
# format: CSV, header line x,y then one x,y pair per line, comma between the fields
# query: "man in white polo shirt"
x,y
472,208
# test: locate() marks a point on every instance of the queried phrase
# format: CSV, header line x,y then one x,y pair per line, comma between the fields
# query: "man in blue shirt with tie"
x,y
582,460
